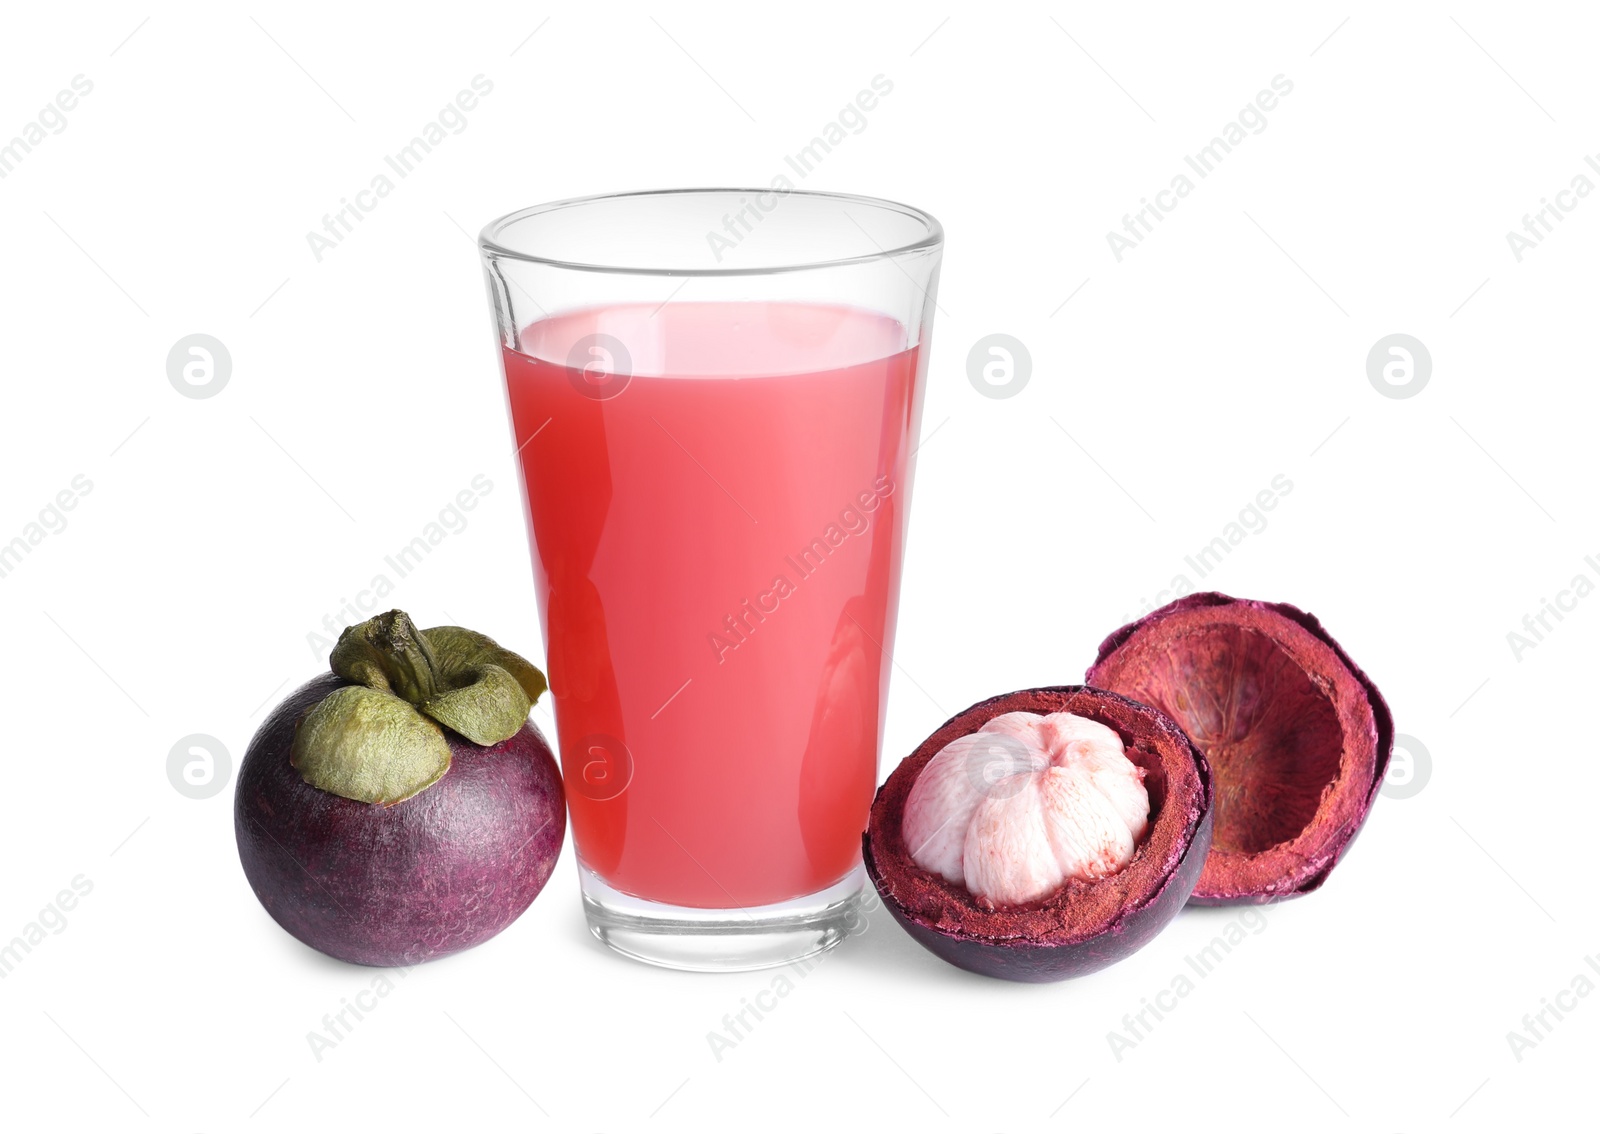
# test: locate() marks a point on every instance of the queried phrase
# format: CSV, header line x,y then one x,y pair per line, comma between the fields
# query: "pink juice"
x,y
717,534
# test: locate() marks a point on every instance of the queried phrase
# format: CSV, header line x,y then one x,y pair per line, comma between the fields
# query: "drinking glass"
x,y
714,395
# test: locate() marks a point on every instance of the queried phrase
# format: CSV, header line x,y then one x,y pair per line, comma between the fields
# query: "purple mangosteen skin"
x,y
440,872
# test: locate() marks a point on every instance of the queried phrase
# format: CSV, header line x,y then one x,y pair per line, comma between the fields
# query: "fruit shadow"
x,y
888,952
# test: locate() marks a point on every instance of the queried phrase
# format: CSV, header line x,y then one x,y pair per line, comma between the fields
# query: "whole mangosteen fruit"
x,y
402,807
1299,738
1042,834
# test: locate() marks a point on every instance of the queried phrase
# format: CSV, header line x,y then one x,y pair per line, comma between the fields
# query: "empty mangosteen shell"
x,y
1085,926
1239,869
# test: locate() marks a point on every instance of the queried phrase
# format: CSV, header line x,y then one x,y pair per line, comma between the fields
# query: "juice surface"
x,y
716,547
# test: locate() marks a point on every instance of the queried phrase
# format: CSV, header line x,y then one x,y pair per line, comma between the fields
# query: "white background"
x,y
1228,348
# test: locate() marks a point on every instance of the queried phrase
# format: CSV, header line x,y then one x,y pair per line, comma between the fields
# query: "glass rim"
x,y
490,245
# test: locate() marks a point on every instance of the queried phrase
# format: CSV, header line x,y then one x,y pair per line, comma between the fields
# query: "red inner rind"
x,y
1298,736
1176,777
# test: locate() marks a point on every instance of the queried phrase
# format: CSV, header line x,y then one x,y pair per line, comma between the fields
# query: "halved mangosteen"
x,y
1042,834
1298,737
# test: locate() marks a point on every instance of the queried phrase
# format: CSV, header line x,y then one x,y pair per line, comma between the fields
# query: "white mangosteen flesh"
x,y
1026,804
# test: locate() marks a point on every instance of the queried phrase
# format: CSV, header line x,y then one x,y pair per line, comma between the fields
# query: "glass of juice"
x,y
714,396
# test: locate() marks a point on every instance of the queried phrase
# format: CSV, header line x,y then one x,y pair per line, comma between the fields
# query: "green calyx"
x,y
378,739
371,746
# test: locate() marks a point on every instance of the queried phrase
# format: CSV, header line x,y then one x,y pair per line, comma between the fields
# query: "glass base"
x,y
721,941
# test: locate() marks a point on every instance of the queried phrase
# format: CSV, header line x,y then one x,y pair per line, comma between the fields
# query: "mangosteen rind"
x,y
1235,874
